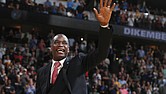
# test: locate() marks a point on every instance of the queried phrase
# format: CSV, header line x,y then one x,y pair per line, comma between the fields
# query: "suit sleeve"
x,y
38,88
94,58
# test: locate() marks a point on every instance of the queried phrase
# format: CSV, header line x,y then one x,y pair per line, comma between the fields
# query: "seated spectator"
x,y
8,88
94,90
137,14
97,78
124,5
130,20
47,4
18,56
141,52
7,61
79,12
122,80
123,18
76,3
30,87
25,38
19,88
70,4
123,89
33,42
54,8
103,88
61,9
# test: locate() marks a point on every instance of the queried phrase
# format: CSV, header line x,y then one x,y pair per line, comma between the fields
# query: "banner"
x,y
140,33
145,33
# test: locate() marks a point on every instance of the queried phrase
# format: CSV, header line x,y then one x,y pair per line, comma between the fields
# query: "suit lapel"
x,y
64,70
63,74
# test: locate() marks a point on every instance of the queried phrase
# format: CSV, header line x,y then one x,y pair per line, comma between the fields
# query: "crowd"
x,y
127,12
132,69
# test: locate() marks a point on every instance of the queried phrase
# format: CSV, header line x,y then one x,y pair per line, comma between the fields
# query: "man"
x,y
64,76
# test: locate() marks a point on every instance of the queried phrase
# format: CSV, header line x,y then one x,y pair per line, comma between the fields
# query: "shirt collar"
x,y
61,61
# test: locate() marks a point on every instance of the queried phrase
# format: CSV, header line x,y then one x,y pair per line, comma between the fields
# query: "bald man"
x,y
64,76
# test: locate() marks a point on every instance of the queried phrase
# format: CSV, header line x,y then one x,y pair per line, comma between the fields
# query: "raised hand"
x,y
104,14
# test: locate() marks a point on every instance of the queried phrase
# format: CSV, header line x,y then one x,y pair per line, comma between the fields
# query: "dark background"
x,y
159,4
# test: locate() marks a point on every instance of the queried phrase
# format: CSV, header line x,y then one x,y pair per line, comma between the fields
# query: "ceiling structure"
x,y
156,4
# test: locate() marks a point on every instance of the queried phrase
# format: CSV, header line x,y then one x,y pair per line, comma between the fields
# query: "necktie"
x,y
55,72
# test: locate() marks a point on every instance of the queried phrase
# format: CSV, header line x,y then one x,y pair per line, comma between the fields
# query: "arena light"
x,y
82,39
146,14
117,58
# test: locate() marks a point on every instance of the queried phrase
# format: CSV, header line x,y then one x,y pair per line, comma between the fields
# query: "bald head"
x,y
59,36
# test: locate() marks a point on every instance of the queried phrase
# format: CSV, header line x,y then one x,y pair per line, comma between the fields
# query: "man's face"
x,y
60,47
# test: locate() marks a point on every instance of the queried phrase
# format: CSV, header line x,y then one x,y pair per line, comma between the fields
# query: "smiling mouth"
x,y
60,50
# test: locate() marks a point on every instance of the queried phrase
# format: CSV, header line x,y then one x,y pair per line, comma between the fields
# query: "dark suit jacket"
x,y
71,79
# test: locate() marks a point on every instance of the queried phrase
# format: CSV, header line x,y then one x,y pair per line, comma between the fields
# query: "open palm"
x,y
104,14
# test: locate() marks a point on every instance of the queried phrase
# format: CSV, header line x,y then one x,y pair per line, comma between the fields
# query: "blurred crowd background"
x,y
131,69
127,12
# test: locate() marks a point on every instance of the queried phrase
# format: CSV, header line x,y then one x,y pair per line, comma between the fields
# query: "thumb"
x,y
96,12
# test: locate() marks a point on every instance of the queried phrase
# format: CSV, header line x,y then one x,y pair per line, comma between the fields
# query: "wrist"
x,y
104,26
108,26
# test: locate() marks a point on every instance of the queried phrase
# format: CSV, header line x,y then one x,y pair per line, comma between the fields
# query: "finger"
x,y
105,3
96,12
113,6
109,3
101,3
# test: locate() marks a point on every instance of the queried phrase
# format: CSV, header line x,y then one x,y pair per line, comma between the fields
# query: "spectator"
x,y
54,8
42,45
7,61
70,5
61,9
130,20
18,56
25,38
19,88
97,78
33,42
79,12
123,18
47,4
141,52
122,80
8,88
76,3
30,87
124,5
103,88
123,89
